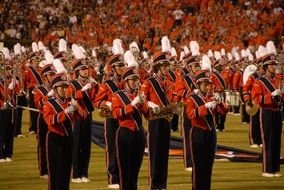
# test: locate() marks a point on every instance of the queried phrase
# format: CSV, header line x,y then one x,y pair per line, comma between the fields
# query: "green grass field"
x,y
22,173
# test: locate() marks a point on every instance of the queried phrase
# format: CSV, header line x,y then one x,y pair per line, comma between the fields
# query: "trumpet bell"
x,y
251,110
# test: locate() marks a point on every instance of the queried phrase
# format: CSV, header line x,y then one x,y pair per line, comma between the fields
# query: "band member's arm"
x,y
52,118
119,111
258,96
235,83
193,111
102,96
247,89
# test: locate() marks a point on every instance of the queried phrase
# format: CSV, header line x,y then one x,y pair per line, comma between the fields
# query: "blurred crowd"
x,y
215,24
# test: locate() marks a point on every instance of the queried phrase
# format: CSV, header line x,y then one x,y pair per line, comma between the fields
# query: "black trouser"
x,y
130,149
271,129
111,126
254,130
220,121
18,122
59,155
41,146
159,142
174,122
203,147
186,126
82,146
33,114
245,116
7,130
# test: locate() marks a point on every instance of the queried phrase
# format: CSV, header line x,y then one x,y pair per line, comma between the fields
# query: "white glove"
x,y
211,105
69,109
276,92
87,86
50,93
154,106
136,101
74,103
108,104
12,85
195,91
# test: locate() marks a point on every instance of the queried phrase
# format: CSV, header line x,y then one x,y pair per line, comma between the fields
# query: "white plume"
x,y
94,53
130,60
17,49
257,54
134,45
206,63
194,48
243,53
262,51
62,45
217,55
186,50
166,45
23,49
173,52
77,52
237,56
117,47
182,54
48,57
223,53
230,57
6,53
41,47
59,67
210,53
250,57
35,47
83,50
270,47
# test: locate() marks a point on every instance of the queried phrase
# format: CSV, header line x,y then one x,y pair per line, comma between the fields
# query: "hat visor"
x,y
133,76
61,83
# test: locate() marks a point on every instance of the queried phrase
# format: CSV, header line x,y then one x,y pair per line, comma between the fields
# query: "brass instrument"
x,y
7,103
18,72
105,112
166,112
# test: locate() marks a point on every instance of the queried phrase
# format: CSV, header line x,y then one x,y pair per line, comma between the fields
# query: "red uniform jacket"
x,y
32,77
184,87
40,97
11,94
237,81
84,98
124,113
248,86
152,94
55,120
106,91
199,115
262,95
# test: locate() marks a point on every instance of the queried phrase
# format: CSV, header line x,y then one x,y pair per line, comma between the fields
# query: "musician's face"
x,y
164,69
272,68
204,87
61,91
119,69
195,67
84,72
133,83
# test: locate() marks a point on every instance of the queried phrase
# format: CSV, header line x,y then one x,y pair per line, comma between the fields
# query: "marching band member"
x,y
127,106
267,94
158,96
8,93
33,79
58,114
171,77
103,99
254,127
218,87
83,90
41,94
184,86
200,109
